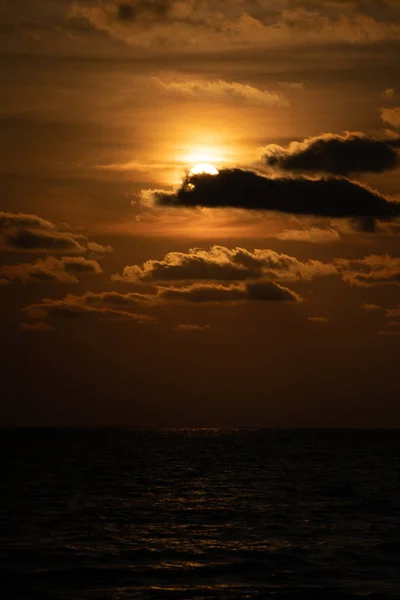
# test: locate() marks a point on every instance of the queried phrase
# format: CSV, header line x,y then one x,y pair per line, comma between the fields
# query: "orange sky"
x,y
127,301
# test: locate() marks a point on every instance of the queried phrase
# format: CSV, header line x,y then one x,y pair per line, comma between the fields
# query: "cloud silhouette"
x,y
335,155
223,264
238,188
49,269
370,271
256,291
79,307
30,233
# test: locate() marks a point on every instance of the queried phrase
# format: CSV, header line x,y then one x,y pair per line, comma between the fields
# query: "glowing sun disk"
x,y
203,168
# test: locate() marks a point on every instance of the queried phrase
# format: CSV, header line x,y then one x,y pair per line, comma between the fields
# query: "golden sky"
x,y
135,291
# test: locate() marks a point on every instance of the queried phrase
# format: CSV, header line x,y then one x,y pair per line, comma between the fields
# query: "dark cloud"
x,y
267,291
237,188
336,155
125,12
258,291
64,270
370,271
223,264
30,233
137,9
40,240
114,298
79,307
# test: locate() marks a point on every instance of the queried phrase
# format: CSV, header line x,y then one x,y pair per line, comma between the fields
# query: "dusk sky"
x,y
200,213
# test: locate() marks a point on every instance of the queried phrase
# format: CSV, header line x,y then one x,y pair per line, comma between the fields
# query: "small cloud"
x,y
393,312
388,94
367,306
98,248
389,333
313,235
294,85
391,116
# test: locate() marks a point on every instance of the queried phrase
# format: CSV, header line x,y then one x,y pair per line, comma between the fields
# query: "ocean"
x,y
111,514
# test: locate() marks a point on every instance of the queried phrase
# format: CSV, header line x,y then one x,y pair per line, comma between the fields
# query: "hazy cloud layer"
x,y
237,188
313,234
223,264
30,233
65,269
335,154
370,271
238,24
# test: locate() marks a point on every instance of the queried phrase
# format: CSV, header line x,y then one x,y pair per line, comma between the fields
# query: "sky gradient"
x,y
135,293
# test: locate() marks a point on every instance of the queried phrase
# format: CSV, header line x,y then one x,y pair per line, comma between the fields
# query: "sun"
x,y
203,168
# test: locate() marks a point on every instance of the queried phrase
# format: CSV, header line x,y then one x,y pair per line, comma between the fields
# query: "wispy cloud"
x,y
222,91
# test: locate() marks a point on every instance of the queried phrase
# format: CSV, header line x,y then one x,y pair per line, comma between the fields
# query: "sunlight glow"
x,y
203,168
203,157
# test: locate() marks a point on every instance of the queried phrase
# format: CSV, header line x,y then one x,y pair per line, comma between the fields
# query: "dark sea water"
x,y
228,514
